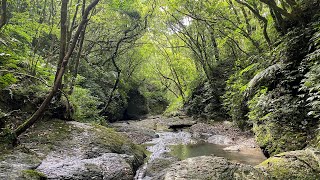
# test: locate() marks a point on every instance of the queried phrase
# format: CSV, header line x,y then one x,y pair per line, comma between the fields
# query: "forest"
x,y
159,89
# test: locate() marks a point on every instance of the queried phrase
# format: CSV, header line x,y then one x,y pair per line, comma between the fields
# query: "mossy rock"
x,y
108,138
275,138
302,164
13,163
48,135
50,142
33,175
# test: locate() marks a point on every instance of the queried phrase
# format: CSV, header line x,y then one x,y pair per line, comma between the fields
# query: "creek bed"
x,y
183,145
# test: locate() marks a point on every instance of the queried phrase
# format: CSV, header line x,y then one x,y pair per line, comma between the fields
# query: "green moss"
x,y
116,142
276,138
279,166
292,165
33,175
48,134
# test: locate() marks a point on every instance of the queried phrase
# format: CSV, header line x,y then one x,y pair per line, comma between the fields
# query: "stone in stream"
x,y
210,167
181,124
220,140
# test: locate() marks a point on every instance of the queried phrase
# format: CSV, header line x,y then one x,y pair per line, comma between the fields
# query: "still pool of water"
x,y
251,156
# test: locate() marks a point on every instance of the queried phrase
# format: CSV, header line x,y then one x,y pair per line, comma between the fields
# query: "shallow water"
x,y
249,156
182,145
160,146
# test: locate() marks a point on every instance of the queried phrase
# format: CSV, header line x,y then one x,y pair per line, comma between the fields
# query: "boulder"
x,y
302,164
157,165
210,167
135,131
17,163
220,140
180,124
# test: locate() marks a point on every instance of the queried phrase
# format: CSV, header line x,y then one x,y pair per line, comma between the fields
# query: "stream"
x,y
182,145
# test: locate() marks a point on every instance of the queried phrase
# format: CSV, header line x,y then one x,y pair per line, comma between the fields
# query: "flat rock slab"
x,y
181,124
106,166
72,150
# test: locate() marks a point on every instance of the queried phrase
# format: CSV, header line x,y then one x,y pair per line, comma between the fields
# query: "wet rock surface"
x,y
106,166
210,167
160,140
220,139
72,150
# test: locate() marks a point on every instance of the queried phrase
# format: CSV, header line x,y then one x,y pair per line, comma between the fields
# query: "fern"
x,y
263,76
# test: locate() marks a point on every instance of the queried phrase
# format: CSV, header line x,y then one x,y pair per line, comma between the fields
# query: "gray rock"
x,y
179,124
12,165
220,139
202,129
210,167
106,166
72,150
157,165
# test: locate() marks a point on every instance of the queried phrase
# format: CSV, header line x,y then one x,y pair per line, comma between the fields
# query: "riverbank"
x,y
149,149
168,146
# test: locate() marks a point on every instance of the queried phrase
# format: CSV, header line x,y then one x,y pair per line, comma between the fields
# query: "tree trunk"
x,y
245,15
273,5
261,18
115,86
3,19
77,63
63,36
59,75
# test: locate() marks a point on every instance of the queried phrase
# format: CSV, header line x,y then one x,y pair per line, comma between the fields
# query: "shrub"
x,y
85,105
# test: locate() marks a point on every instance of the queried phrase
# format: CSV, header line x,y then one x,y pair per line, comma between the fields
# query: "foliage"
x,y
174,107
118,106
6,80
311,83
253,61
279,121
85,105
234,99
